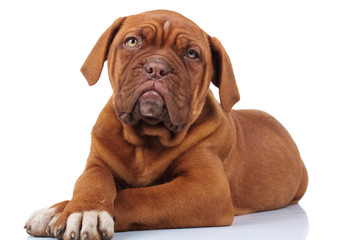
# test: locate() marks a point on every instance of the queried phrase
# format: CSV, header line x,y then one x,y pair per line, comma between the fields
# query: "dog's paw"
x,y
42,222
87,225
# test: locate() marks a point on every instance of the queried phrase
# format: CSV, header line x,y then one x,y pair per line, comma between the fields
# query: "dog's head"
x,y
160,66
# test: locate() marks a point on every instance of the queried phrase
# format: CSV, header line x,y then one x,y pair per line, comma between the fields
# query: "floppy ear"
x,y
93,65
223,77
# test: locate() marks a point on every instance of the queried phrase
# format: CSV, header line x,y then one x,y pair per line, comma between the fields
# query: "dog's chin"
x,y
150,109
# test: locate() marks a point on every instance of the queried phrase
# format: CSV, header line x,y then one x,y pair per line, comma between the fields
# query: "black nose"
x,y
156,69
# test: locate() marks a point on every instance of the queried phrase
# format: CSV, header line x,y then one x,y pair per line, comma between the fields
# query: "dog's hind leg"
x,y
302,188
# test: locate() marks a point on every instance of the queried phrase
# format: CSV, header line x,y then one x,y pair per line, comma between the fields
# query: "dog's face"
x,y
160,66
157,67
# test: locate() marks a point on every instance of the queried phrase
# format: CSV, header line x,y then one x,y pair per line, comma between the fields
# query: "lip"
x,y
152,104
128,105
132,113
150,90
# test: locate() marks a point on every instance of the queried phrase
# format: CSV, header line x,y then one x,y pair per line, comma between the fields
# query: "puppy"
x,y
164,152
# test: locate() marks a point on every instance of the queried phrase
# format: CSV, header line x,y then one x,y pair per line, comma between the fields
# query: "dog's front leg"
x,y
196,194
89,215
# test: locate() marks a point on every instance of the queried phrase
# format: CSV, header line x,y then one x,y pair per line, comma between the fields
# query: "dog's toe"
x,y
51,226
39,222
106,225
88,225
73,226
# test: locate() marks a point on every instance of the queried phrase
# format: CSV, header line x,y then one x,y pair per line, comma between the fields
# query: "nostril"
x,y
165,70
149,69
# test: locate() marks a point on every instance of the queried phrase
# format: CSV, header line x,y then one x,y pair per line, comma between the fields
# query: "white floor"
x,y
290,223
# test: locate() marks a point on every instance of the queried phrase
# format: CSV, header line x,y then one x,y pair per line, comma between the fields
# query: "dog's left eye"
x,y
132,42
192,54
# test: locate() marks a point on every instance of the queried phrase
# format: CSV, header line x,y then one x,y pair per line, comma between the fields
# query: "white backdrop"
x,y
297,60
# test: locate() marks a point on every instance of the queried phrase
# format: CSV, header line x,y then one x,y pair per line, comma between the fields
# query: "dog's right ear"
x,y
93,65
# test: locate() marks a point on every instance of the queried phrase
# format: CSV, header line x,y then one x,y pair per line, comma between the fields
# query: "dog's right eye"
x,y
132,42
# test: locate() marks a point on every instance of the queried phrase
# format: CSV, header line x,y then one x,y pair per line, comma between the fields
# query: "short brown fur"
x,y
207,164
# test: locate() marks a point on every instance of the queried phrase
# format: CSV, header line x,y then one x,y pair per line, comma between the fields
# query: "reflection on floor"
x,y
287,223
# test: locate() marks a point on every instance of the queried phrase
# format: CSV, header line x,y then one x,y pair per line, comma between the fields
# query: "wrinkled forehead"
x,y
163,27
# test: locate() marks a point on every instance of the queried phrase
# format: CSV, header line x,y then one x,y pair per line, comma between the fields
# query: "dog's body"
x,y
164,153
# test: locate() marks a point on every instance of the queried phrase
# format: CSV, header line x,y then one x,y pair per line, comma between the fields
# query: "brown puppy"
x,y
164,153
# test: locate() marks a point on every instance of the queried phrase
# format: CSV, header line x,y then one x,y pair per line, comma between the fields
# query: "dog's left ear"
x,y
93,65
223,77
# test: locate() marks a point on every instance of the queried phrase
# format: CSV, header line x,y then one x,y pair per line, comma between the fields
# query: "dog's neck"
x,y
140,134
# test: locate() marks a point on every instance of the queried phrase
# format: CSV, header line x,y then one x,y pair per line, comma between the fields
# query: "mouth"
x,y
150,108
152,105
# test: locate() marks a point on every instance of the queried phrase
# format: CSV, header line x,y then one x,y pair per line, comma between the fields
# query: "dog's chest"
x,y
146,167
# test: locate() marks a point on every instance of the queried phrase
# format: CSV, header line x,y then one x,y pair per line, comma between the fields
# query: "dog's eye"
x,y
192,54
132,42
